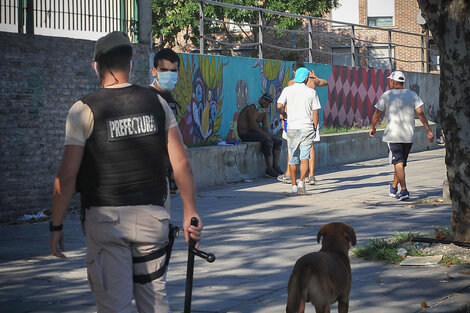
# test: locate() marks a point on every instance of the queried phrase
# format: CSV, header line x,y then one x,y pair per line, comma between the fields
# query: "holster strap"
x,y
147,278
149,257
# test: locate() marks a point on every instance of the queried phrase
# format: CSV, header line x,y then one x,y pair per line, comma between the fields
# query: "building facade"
x,y
401,48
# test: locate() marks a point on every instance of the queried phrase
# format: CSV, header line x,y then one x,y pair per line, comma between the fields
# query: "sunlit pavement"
x,y
257,230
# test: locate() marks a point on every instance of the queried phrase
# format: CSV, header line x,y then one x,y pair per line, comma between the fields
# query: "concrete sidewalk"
x,y
257,230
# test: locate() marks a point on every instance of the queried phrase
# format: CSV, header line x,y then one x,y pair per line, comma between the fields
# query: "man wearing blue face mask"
x,y
165,72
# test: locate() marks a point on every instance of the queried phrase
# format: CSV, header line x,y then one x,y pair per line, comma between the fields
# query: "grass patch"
x,y
442,232
378,250
337,130
382,250
452,260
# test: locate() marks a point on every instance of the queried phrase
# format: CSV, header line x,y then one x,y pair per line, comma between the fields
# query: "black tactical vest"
x,y
125,160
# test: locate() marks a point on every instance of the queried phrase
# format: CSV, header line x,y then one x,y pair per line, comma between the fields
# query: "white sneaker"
x,y
295,189
301,188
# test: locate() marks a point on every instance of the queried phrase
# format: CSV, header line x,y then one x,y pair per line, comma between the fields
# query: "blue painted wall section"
x,y
212,90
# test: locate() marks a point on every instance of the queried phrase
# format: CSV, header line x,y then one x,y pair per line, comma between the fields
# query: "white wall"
x,y
347,12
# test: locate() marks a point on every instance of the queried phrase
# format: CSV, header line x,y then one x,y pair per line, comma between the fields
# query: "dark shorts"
x,y
398,152
268,145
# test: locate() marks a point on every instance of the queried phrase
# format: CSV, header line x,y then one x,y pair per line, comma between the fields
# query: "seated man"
x,y
253,125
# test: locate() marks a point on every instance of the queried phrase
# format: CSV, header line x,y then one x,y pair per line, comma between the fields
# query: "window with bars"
x,y
84,19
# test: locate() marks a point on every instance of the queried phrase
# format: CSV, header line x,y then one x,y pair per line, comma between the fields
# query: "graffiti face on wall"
x,y
200,95
242,94
274,77
201,90
242,99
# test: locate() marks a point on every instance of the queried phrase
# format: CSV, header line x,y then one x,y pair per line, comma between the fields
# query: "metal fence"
x,y
69,17
319,40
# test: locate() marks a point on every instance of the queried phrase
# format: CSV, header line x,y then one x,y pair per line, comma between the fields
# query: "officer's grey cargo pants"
x,y
124,243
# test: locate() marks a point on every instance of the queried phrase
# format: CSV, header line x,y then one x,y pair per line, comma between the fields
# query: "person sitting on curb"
x,y
253,126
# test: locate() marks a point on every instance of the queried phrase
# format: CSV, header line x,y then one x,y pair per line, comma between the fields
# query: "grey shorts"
x,y
299,143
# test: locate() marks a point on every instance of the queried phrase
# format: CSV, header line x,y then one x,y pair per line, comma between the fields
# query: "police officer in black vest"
x,y
119,143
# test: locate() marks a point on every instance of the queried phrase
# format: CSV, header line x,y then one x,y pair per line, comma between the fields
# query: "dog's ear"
x,y
321,233
350,234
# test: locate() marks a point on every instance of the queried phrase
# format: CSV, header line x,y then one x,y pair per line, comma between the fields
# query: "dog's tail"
x,y
295,298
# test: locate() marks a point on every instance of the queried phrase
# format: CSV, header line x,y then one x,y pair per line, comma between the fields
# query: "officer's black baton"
x,y
192,251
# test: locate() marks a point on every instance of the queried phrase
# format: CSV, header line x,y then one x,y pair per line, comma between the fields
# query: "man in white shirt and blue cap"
x,y
302,118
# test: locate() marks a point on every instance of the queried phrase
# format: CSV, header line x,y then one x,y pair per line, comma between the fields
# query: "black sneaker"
x,y
270,172
278,170
403,195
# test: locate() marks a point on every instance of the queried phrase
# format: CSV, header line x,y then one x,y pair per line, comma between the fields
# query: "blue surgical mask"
x,y
167,80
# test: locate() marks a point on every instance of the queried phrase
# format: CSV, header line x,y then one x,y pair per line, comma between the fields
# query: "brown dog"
x,y
323,277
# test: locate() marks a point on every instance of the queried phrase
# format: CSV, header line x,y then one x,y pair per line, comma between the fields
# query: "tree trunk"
x,y
449,23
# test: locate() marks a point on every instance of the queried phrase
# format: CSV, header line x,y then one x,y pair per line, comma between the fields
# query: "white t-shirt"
x,y
301,101
399,106
80,123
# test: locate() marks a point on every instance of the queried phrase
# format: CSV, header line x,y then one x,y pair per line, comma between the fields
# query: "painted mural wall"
x,y
212,91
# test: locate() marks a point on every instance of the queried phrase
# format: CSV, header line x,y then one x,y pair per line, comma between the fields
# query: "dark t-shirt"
x,y
170,100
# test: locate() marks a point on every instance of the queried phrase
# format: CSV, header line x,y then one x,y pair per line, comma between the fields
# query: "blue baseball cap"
x,y
301,75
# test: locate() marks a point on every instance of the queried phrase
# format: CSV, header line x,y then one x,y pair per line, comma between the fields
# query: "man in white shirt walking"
x,y
302,118
399,105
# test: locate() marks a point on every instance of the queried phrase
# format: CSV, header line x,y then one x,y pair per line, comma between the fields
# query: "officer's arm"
x,y
64,189
184,179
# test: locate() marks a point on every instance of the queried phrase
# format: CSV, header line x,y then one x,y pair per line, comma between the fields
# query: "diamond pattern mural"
x,y
353,91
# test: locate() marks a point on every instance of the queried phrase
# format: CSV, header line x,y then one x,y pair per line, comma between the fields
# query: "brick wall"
x,y
41,78
406,12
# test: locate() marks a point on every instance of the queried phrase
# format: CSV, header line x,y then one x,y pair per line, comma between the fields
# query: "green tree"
x,y
172,17
448,21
